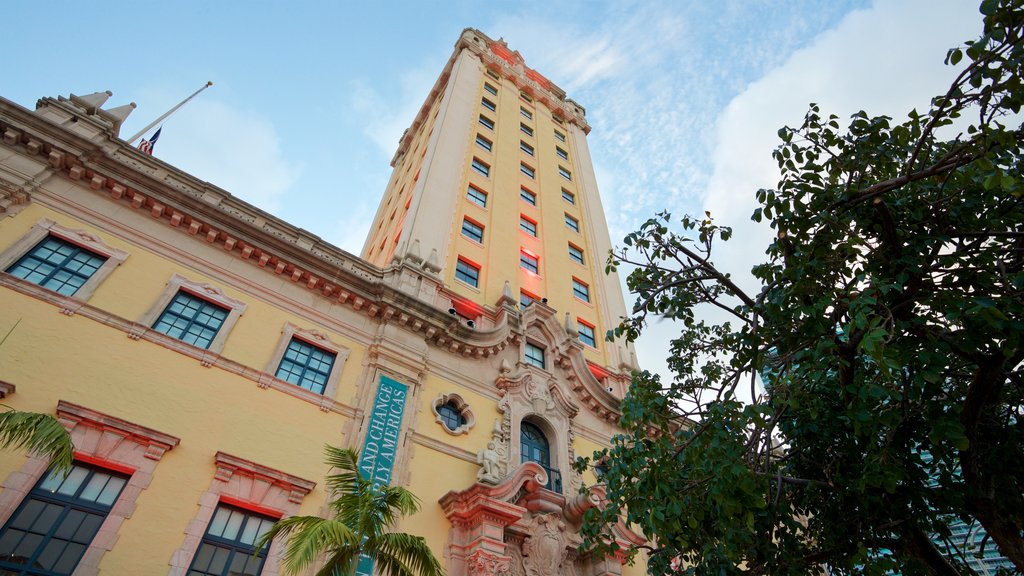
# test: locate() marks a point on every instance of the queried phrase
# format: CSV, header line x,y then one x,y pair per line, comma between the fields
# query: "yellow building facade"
x,y
201,352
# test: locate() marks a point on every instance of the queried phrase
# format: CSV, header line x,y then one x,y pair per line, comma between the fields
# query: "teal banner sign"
x,y
377,460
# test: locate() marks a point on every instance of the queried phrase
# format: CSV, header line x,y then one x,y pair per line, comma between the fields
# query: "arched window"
x,y
534,447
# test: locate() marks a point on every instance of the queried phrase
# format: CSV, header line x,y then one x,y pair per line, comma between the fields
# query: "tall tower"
x,y
493,188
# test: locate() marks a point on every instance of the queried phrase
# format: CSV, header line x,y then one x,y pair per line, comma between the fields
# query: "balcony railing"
x,y
554,479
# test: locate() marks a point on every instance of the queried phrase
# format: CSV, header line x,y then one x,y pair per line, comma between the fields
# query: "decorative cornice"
x,y
228,465
156,443
200,209
168,195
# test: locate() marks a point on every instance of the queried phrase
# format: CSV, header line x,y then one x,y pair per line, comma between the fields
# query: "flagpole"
x,y
168,113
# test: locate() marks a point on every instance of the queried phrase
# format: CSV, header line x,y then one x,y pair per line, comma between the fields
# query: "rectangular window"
x,y
229,545
559,136
488,104
575,254
568,196
580,290
58,265
527,196
529,261
565,173
525,129
561,153
484,143
486,122
482,167
467,273
53,527
526,148
587,334
477,196
472,230
572,223
525,96
490,89
528,226
526,113
558,120
534,355
529,172
493,74
191,319
525,298
306,366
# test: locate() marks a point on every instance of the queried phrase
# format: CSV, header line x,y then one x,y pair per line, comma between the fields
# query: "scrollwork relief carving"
x,y
546,550
482,563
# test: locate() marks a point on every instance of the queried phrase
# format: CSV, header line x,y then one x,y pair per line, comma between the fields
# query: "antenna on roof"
x,y
168,113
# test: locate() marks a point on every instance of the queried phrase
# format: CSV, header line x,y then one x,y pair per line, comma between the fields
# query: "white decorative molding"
x,y
243,483
461,406
314,338
104,441
206,291
87,240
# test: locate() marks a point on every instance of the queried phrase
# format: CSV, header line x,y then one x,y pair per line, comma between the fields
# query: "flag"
x,y
147,145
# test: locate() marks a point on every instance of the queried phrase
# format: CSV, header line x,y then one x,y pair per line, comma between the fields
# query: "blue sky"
x,y
310,98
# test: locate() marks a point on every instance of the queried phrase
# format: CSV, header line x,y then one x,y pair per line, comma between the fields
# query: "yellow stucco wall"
x,y
501,217
51,356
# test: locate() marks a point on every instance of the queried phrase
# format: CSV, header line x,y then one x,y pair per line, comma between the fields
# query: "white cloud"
x,y
384,117
234,149
351,229
885,60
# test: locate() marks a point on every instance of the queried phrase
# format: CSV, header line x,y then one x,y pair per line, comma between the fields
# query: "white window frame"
x,y
82,238
208,292
313,338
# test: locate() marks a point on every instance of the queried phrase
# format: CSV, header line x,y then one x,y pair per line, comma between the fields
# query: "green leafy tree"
x,y
362,515
889,334
39,433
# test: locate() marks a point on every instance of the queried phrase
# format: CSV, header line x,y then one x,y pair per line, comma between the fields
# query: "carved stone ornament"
x,y
483,563
516,567
548,546
489,461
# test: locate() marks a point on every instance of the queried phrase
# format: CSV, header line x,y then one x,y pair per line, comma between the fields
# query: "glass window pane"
x,y
204,556
233,525
28,514
73,481
70,524
88,529
219,561
50,554
220,520
47,518
249,533
94,487
111,491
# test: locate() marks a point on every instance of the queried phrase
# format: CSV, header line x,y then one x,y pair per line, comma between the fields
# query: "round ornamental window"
x,y
450,416
453,414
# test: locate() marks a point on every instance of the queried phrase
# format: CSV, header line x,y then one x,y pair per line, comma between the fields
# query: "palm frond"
x,y
308,536
341,563
401,499
347,462
362,515
391,566
410,551
39,433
